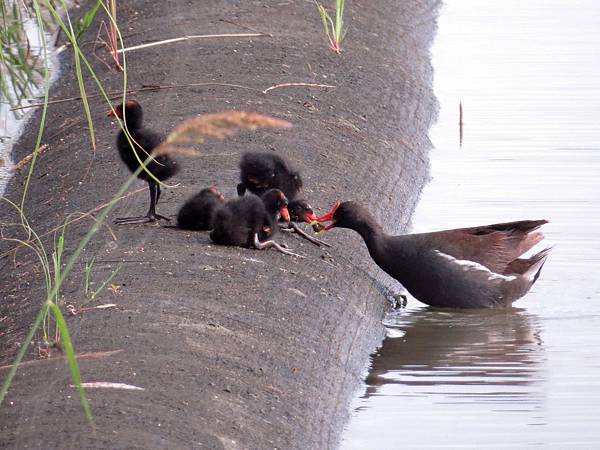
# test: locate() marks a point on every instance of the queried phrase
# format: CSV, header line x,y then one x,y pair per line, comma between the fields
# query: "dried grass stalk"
x,y
27,159
218,126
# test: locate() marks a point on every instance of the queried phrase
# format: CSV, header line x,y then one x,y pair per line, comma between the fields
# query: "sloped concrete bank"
x,y
234,348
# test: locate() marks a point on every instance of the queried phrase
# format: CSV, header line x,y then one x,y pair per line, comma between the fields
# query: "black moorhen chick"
x,y
477,267
262,171
144,141
246,221
197,212
301,211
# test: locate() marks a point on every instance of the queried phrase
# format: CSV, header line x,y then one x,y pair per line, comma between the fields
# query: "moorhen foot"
x,y
197,212
301,211
144,141
250,221
478,267
260,172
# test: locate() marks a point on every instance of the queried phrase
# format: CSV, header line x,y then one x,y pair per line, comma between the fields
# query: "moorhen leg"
x,y
151,216
293,227
270,243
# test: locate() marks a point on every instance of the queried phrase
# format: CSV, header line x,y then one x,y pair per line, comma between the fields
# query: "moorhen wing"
x,y
477,267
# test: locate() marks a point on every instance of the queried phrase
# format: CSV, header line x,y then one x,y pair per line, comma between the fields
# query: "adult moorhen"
x,y
247,221
144,141
197,212
301,211
475,267
262,171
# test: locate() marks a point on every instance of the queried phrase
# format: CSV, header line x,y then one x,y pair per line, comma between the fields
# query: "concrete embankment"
x,y
235,348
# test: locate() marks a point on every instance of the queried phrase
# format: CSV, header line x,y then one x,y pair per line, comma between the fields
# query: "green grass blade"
x,y
67,346
339,20
88,275
105,282
73,39
100,87
38,141
85,22
13,369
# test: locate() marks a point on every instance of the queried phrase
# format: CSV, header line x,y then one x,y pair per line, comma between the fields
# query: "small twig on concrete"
x,y
99,40
110,385
244,27
26,160
277,86
158,87
80,356
73,310
143,88
188,38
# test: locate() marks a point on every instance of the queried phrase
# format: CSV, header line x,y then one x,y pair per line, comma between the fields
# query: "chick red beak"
x,y
112,113
310,217
221,198
285,214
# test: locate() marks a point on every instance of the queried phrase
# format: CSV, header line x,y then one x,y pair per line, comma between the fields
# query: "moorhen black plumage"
x,y
478,267
144,141
247,221
301,211
260,172
198,211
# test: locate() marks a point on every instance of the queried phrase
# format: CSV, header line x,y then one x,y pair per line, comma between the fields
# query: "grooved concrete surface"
x,y
235,348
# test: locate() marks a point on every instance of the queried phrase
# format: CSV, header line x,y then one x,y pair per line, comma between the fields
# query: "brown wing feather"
x,y
494,246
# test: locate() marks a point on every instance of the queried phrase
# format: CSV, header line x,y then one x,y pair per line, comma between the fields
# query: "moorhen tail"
x,y
197,212
144,141
247,221
478,267
260,172
301,211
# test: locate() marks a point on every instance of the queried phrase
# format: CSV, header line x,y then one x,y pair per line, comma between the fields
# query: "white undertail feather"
x,y
472,265
534,271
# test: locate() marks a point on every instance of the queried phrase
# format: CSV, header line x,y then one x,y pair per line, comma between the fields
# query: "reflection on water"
x,y
527,76
498,350
475,370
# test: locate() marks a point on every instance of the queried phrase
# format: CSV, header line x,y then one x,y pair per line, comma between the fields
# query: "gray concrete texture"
x,y
235,348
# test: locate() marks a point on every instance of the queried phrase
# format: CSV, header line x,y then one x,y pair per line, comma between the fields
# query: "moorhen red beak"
x,y
301,211
310,218
326,218
117,111
285,214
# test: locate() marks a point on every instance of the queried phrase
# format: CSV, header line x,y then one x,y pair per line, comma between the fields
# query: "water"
x,y
12,123
527,75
